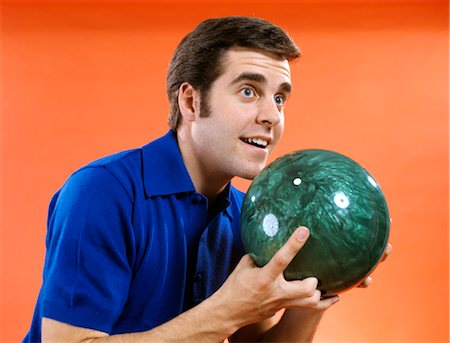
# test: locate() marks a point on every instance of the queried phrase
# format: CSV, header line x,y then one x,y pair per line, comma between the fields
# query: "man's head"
x,y
199,56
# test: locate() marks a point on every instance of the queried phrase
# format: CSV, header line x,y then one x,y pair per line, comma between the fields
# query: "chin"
x,y
251,174
248,177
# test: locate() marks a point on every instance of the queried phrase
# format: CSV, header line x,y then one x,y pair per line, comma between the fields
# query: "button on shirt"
x,y
130,244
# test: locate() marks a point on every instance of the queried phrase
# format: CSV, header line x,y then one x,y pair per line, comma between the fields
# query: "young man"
x,y
145,245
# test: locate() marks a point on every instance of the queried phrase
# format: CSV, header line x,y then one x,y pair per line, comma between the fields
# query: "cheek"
x,y
279,130
225,113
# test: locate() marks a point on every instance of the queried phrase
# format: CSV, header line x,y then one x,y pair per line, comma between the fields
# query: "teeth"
x,y
257,141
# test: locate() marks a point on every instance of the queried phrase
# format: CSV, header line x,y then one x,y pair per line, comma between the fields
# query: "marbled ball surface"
x,y
336,198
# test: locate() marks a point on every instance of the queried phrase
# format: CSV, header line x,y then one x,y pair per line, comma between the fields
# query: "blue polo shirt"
x,y
130,244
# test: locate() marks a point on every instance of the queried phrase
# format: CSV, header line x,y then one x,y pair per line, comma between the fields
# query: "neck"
x,y
207,182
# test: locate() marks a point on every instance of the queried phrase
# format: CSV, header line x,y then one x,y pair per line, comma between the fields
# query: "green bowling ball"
x,y
337,199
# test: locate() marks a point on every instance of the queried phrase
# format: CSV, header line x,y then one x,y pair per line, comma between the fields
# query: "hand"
x,y
252,294
368,280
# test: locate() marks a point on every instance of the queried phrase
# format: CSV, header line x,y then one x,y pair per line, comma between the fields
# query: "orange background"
x,y
82,79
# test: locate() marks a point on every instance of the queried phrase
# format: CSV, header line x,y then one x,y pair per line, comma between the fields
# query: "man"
x,y
144,245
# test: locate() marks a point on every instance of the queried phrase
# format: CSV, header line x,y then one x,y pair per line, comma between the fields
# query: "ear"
x,y
189,102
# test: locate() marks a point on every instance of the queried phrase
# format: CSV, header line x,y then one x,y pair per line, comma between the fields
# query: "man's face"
x,y
246,114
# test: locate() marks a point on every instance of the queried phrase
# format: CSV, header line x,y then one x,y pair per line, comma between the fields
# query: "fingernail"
x,y
302,233
336,299
388,248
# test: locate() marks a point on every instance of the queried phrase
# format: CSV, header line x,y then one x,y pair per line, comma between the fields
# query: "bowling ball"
x,y
337,199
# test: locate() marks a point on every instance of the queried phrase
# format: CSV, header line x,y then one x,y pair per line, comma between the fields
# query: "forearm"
x,y
204,323
255,332
296,325
201,324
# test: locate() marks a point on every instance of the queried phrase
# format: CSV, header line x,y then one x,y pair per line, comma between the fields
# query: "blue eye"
x,y
247,92
279,100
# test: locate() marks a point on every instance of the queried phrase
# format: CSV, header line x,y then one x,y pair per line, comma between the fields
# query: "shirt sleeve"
x,y
88,265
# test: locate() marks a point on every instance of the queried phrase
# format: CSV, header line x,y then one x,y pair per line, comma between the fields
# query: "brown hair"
x,y
197,58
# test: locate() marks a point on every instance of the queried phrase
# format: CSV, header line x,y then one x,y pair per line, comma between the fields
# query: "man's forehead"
x,y
240,61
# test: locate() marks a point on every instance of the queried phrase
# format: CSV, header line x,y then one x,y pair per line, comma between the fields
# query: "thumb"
x,y
287,252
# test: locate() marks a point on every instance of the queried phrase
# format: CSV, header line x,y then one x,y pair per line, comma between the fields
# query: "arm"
x,y
249,295
247,301
204,323
300,324
294,324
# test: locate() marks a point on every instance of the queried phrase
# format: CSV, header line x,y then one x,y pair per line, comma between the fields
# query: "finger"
x,y
366,282
387,252
287,252
298,289
311,301
326,303
317,302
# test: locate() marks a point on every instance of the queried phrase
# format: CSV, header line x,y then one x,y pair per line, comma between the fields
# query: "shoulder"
x,y
99,196
124,162
120,171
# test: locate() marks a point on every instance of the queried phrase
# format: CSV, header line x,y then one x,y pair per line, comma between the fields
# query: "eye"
x,y
247,92
279,100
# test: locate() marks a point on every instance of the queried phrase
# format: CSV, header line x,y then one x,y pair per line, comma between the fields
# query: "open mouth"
x,y
257,142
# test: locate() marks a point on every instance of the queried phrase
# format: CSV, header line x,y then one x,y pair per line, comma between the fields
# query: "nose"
x,y
270,113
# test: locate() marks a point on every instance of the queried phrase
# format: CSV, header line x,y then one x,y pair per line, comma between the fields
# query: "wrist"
x,y
219,315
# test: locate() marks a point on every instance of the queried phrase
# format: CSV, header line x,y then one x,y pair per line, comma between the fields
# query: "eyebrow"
x,y
250,77
285,86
